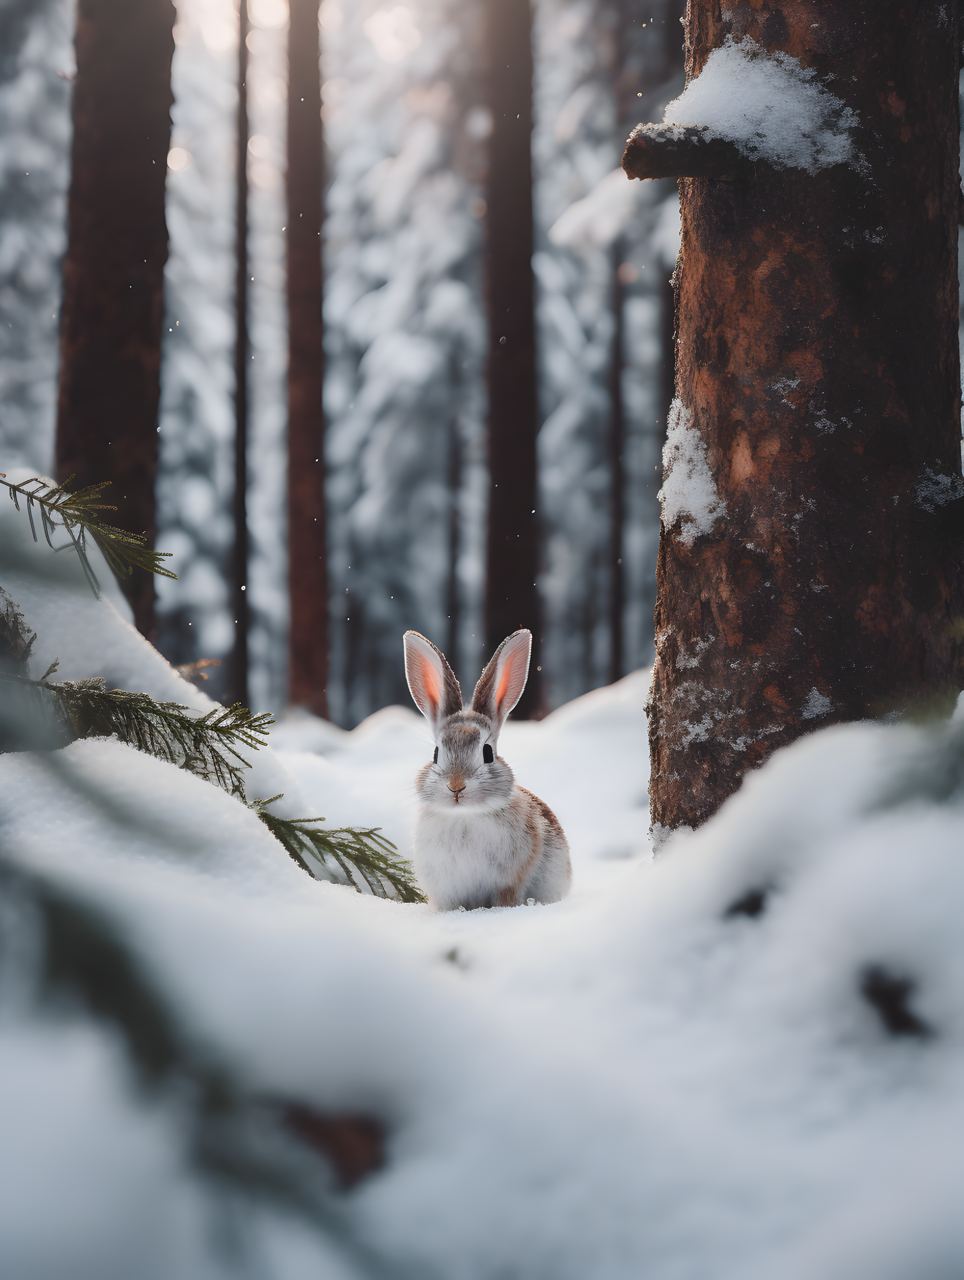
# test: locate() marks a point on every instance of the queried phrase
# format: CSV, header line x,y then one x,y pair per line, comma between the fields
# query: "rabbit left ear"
x,y
503,680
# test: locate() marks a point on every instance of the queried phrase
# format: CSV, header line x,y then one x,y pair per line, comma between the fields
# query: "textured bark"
x,y
241,549
307,547
512,541
817,354
113,300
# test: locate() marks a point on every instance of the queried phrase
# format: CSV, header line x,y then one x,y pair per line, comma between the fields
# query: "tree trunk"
x,y
113,301
617,443
512,542
307,557
453,610
241,550
818,394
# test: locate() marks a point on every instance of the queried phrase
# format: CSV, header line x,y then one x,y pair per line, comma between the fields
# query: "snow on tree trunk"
x,y
808,567
512,542
307,559
113,298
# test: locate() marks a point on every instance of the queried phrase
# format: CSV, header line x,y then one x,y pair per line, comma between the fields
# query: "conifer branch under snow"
x,y
235,1140
55,509
209,745
357,853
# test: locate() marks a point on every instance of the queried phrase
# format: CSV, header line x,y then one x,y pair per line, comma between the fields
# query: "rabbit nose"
x,y
456,790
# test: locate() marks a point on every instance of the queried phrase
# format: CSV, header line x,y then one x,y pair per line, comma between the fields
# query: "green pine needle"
x,y
357,853
80,514
208,746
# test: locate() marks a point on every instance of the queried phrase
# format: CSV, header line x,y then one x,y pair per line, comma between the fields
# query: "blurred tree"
x,y
240,556
405,340
36,39
602,273
512,560
810,560
113,301
307,508
643,53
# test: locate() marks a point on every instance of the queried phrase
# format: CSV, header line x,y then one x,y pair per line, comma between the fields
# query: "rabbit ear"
x,y
431,682
501,683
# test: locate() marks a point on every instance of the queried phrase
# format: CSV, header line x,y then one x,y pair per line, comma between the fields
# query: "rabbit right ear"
x,y
503,680
431,681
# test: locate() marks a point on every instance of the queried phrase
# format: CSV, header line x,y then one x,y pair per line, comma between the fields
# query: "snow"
x,y
643,1079
816,704
936,489
688,497
599,218
771,106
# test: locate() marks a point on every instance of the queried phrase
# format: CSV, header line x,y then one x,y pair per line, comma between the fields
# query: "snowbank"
x,y
743,1059
771,106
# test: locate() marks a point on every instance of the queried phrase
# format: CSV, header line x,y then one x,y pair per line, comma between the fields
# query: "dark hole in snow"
x,y
454,957
752,903
890,997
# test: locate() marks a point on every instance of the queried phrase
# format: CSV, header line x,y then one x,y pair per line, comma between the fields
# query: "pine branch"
x,y
208,746
80,514
357,853
16,640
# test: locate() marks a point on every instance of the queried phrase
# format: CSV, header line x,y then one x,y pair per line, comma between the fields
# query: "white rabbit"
x,y
480,840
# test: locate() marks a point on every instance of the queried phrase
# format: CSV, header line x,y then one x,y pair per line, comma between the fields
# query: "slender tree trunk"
x,y
113,303
241,550
617,443
454,486
307,555
818,383
512,541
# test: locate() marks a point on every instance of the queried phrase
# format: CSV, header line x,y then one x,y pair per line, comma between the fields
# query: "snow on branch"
x,y
746,107
670,151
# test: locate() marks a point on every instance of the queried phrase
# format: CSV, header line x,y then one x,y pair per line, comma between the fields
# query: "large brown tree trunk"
x,y
511,599
817,375
240,556
307,556
113,302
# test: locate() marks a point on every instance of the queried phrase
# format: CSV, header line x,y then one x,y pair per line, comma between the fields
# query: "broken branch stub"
x,y
681,151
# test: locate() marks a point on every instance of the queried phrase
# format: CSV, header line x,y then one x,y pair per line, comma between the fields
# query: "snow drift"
x,y
742,1059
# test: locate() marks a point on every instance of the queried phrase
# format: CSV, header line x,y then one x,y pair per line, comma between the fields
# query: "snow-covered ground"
x,y
742,1059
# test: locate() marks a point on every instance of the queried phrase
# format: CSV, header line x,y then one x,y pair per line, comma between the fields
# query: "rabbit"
x,y
480,840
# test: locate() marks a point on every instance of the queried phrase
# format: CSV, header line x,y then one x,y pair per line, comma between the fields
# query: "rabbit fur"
x,y
480,839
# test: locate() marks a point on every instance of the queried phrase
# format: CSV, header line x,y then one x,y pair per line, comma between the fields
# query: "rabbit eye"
x,y
435,756
488,755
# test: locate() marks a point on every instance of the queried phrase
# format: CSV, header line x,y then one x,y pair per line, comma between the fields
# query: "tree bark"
x,y
817,360
113,299
307,545
241,549
512,540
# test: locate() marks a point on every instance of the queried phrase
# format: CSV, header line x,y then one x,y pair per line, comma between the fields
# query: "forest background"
x,y
407,124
